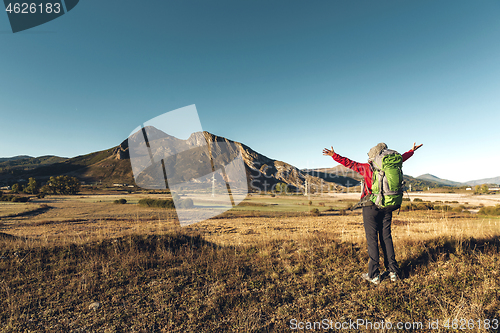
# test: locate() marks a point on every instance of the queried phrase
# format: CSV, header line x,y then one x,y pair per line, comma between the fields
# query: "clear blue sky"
x,y
287,78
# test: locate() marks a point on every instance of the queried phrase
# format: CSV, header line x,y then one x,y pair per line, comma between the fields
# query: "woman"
x,y
377,221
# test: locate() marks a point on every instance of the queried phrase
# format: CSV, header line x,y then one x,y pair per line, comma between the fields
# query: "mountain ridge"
x,y
430,177
113,166
493,180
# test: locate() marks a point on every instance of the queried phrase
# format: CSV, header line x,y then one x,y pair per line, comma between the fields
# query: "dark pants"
x,y
377,223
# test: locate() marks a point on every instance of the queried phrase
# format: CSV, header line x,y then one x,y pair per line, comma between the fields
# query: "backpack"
x,y
387,181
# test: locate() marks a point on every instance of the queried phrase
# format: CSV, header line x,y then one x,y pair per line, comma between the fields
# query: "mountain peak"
x,y
438,180
428,175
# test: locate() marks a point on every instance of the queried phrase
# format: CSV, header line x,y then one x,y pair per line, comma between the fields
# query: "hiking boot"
x,y
393,276
375,280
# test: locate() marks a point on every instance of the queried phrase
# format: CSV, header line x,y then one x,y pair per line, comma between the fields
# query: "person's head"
x,y
375,151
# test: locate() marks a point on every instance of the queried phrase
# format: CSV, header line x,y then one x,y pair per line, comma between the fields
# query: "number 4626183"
x,y
33,8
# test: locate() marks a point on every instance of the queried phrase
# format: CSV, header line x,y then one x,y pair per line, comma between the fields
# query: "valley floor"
x,y
260,267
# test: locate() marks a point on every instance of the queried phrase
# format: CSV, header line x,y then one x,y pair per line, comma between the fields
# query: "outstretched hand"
x,y
328,152
415,147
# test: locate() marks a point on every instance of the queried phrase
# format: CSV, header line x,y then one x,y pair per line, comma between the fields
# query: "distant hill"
x,y
20,157
495,180
445,182
44,167
13,169
432,178
419,184
29,162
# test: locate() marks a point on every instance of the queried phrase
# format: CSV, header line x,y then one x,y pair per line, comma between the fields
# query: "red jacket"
x,y
364,169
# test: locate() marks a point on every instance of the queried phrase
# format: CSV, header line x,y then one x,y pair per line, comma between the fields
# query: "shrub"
x,y
443,208
6,197
419,206
417,200
45,189
315,212
281,188
490,210
120,201
159,203
457,209
20,199
187,203
424,206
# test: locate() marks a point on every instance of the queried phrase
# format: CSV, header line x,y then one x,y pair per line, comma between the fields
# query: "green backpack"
x,y
387,181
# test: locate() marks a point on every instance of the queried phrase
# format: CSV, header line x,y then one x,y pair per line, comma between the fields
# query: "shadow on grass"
x,y
3,236
440,249
34,212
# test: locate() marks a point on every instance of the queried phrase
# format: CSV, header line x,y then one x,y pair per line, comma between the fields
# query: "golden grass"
x,y
245,272
85,218
11,208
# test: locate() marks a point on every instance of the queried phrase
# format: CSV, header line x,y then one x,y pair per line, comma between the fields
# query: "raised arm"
x,y
410,152
360,168
328,152
415,147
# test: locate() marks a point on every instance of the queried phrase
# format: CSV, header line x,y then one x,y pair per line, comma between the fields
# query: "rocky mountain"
x,y
262,169
262,172
113,165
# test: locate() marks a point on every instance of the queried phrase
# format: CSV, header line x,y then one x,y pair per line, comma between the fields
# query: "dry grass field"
x,y
85,264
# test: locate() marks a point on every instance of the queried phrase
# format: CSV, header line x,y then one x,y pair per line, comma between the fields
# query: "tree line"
x,y
55,185
481,189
